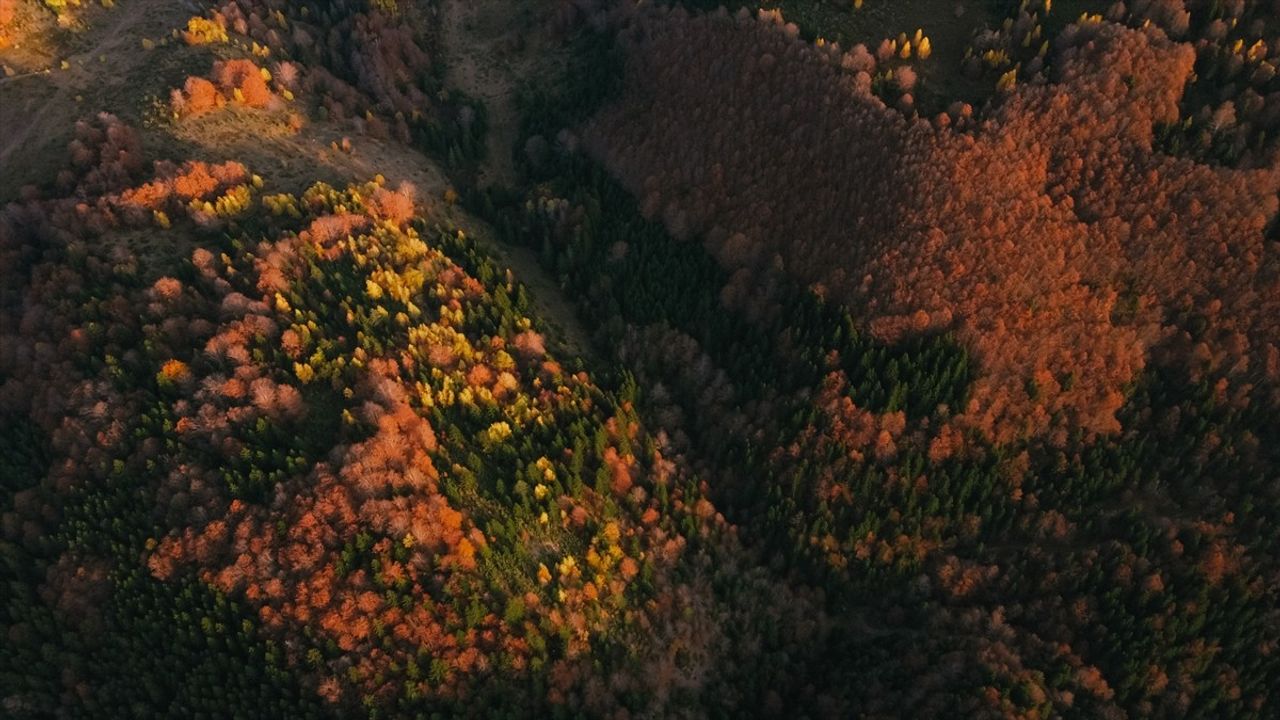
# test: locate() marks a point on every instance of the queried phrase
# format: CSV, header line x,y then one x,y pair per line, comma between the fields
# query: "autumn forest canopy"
x,y
602,358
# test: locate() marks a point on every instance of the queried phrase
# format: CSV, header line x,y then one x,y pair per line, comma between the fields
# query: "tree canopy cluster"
x,y
890,412
1051,239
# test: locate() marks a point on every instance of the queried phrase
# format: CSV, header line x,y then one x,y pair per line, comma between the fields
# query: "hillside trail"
x,y
108,54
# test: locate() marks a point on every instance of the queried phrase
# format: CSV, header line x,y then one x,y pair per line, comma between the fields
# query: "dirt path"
x,y
38,106
83,67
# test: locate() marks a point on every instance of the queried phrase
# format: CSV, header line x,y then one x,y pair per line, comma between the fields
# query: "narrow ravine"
x,y
489,53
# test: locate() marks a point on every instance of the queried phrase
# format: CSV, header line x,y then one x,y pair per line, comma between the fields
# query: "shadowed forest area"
x,y
593,358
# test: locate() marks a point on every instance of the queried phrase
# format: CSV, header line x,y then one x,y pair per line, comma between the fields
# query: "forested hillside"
x,y
798,359
973,374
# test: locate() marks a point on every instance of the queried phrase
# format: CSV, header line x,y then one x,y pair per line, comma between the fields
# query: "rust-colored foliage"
x,y
236,82
384,485
1051,239
356,61
395,206
198,97
105,155
243,76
